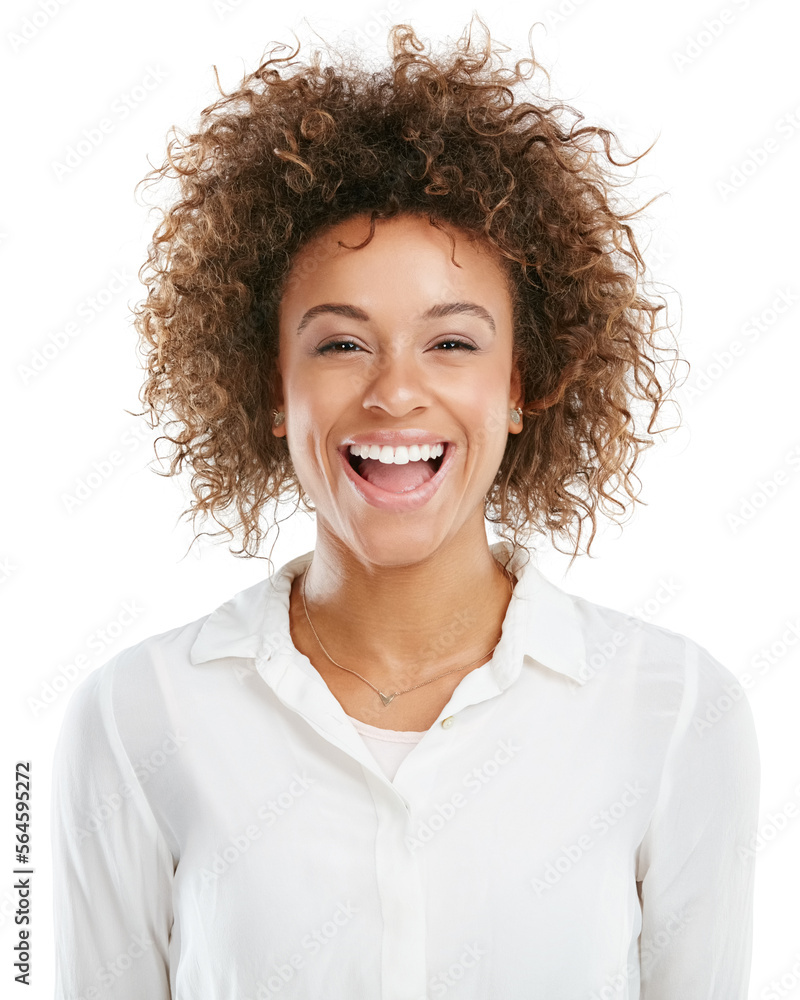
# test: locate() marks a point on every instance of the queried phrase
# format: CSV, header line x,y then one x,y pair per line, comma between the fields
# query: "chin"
x,y
384,544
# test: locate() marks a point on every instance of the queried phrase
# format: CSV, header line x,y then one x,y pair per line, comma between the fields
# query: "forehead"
x,y
439,256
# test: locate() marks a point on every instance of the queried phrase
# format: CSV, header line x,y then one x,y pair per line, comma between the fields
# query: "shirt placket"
x,y
397,869
399,876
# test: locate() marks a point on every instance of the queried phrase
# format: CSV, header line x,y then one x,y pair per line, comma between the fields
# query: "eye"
x,y
335,343
327,348
461,344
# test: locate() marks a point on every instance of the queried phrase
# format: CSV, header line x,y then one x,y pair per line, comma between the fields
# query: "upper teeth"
x,y
397,456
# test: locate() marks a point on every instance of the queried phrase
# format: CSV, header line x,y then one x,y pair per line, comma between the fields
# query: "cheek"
x,y
312,421
487,408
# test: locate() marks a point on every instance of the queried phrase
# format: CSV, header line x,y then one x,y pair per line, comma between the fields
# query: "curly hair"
x,y
289,154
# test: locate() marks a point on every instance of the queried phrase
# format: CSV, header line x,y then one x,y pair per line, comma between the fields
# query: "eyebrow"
x,y
435,312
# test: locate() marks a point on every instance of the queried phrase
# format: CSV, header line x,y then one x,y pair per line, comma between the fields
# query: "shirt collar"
x,y
543,622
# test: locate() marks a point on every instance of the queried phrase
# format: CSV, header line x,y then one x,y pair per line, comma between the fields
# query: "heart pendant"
x,y
386,698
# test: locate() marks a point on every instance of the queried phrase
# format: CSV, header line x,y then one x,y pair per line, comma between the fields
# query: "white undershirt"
x,y
390,747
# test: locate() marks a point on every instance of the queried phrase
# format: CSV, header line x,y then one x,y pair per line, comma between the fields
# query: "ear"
x,y
277,404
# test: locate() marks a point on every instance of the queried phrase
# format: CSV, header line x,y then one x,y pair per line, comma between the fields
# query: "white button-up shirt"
x,y
576,825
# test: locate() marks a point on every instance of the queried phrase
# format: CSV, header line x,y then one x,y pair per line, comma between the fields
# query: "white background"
x,y
721,94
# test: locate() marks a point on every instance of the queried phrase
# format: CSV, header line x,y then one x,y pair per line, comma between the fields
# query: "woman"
x,y
405,765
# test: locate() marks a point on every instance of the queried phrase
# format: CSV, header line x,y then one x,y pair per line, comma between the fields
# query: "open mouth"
x,y
356,462
398,487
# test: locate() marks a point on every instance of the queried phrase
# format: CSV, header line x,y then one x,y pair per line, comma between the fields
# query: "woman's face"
x,y
385,344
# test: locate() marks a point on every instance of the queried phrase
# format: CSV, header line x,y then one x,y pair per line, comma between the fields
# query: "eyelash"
x,y
325,349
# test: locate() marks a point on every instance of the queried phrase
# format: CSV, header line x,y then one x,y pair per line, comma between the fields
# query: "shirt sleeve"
x,y
696,862
112,868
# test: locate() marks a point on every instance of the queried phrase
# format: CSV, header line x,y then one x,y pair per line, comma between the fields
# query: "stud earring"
x,y
516,415
278,418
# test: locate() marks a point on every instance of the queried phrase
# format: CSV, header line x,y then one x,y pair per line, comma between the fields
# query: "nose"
x,y
396,382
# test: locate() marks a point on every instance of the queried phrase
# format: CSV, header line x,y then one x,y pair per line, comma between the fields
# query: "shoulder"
x,y
154,658
648,649
667,699
131,691
674,673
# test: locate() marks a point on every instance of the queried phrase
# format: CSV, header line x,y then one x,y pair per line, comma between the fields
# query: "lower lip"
x,y
411,499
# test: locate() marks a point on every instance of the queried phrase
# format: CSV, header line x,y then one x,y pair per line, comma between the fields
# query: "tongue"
x,y
395,478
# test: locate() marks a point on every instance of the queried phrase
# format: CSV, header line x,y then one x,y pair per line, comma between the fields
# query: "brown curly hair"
x,y
288,154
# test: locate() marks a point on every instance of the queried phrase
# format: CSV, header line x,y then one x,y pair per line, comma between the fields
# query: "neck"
x,y
403,623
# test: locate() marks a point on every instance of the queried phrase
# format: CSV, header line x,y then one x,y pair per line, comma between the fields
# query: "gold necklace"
x,y
387,698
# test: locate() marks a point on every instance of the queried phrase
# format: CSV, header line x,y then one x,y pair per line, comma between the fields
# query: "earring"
x,y
516,415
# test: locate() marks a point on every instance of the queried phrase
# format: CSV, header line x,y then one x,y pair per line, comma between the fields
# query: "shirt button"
x,y
448,722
